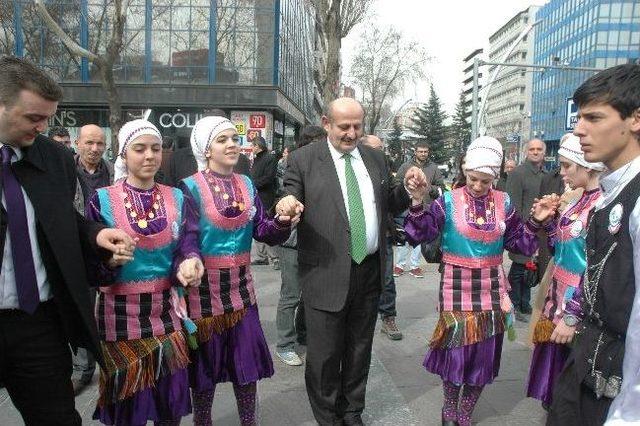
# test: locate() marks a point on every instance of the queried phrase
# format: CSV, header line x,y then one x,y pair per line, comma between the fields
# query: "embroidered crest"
x,y
615,217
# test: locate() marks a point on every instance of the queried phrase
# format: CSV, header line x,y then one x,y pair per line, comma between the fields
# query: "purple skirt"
x,y
169,400
239,355
546,365
477,364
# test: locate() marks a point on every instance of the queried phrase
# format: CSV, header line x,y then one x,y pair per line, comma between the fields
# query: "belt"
x,y
46,305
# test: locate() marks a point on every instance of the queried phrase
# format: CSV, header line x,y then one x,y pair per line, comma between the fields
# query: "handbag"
x,y
432,252
532,273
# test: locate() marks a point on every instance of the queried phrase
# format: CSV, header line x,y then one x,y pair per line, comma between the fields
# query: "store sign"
x,y
179,120
254,124
572,115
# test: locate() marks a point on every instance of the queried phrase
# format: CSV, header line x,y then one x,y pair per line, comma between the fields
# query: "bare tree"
x,y
384,64
334,20
103,61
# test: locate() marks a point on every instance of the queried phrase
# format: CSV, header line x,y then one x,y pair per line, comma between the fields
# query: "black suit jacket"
x,y
264,174
47,173
324,258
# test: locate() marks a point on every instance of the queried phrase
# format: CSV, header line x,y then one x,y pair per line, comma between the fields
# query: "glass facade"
x,y
174,42
581,33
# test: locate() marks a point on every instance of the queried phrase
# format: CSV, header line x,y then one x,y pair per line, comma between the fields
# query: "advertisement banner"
x,y
252,124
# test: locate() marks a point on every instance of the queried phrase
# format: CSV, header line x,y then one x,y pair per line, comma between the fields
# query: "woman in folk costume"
x,y
225,209
140,311
567,242
477,223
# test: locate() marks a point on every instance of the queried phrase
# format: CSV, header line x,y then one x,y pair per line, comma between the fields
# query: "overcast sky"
x,y
448,29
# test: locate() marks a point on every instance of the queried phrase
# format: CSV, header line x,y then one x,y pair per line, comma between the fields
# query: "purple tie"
x,y
23,267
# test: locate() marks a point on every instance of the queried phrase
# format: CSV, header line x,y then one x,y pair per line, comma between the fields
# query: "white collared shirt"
x,y
366,192
625,409
8,294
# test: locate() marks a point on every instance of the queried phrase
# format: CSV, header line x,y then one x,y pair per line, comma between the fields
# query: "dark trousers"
x,y
289,299
339,348
35,366
83,361
387,306
574,404
520,293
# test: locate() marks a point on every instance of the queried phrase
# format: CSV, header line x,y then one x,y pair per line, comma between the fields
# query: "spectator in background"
x,y
290,312
507,168
264,176
433,175
387,305
93,171
523,186
60,134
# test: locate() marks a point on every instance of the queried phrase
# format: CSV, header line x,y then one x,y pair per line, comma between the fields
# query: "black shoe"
x,y
526,310
260,262
353,419
449,422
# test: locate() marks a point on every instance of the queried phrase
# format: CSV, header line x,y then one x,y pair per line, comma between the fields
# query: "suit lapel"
x,y
328,172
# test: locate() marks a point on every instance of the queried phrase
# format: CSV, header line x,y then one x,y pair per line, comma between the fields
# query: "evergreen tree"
x,y
460,128
394,143
429,125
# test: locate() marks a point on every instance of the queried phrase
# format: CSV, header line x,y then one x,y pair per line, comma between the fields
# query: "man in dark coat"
x,y
44,296
341,256
523,186
264,173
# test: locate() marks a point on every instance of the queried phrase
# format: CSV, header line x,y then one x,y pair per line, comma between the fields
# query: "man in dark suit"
x,y
341,255
44,296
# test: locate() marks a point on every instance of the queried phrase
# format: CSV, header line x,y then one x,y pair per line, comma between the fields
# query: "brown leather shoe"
x,y
390,328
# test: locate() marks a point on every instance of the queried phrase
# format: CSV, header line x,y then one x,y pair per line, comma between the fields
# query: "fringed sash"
x,y
455,329
542,332
209,325
134,365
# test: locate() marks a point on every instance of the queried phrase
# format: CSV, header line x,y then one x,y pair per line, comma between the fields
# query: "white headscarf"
x,y
571,150
130,131
205,130
484,155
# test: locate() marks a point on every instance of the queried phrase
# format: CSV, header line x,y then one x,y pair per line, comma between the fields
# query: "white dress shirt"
x,y
8,294
625,408
366,192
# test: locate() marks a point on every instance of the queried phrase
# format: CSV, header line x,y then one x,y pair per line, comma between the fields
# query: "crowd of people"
x,y
146,269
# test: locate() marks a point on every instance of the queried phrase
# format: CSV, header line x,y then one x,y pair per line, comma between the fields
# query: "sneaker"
x,y
397,271
276,264
417,272
260,262
390,328
289,358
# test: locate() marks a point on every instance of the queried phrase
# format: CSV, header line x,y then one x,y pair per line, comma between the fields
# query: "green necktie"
x,y
356,213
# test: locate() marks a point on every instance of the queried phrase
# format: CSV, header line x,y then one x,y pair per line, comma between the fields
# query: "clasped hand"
x,y
190,272
416,183
545,208
289,209
119,243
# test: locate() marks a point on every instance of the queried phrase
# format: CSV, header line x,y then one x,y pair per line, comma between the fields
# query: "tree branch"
x,y
53,26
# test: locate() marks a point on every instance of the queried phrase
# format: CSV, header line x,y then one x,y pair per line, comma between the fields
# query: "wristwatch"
x,y
570,320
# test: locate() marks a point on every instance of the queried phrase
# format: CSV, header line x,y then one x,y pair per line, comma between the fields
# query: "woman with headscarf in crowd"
x,y
556,326
140,311
226,213
477,223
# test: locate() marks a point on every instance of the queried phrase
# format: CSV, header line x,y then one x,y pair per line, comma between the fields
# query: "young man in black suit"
x,y
44,296
347,195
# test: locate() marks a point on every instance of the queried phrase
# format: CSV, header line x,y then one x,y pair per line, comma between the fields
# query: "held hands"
x,y
289,210
562,334
545,208
416,183
190,272
117,242
505,303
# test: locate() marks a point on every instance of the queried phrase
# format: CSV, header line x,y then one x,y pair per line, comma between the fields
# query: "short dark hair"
x,y
310,134
58,131
260,142
216,112
19,74
617,86
422,144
